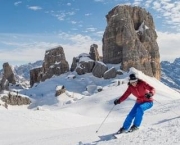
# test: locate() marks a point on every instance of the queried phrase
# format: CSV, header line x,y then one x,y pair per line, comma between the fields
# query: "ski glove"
x,y
148,95
116,102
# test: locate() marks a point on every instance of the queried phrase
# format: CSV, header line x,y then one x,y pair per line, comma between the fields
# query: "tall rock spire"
x,y
130,39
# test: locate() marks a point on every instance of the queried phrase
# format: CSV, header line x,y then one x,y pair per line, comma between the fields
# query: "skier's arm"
x,y
125,95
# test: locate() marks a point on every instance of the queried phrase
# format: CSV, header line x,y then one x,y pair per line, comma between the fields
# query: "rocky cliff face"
x,y
54,64
8,73
130,39
7,77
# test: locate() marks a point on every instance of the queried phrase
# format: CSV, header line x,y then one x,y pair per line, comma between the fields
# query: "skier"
x,y
143,92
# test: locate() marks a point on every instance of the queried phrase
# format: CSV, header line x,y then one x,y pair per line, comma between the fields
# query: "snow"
x,y
59,87
85,59
73,118
142,27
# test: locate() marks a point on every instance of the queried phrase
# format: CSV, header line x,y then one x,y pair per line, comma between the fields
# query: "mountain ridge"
x,y
170,73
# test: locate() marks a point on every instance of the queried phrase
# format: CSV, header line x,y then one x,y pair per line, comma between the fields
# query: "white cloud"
x,y
34,8
91,29
148,3
68,4
80,25
169,45
170,11
19,51
99,34
168,6
70,13
62,15
88,14
73,22
17,3
157,6
167,14
137,2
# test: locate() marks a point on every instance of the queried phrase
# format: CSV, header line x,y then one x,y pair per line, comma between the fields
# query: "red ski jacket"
x,y
139,92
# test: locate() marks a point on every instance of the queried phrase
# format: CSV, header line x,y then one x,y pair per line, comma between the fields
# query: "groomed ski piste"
x,y
74,118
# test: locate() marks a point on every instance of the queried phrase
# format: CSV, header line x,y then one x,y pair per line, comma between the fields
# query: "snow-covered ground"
x,y
74,119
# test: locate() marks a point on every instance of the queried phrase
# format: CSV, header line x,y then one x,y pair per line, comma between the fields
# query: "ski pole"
x,y
105,119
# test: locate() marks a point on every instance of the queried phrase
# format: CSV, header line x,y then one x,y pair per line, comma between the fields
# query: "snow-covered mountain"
x,y
23,71
171,73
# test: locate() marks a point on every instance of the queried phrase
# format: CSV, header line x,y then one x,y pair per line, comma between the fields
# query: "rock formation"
x,y
8,73
54,64
87,63
94,52
111,73
82,64
8,77
16,99
35,75
99,69
60,90
130,39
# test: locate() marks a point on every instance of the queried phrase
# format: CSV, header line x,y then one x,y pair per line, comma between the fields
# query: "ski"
x,y
122,134
110,136
115,135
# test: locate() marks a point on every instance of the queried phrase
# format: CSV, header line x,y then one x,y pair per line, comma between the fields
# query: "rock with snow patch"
x,y
60,90
99,69
54,64
111,73
99,88
83,63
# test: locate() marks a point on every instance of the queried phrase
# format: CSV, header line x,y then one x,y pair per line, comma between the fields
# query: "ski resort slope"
x,y
65,121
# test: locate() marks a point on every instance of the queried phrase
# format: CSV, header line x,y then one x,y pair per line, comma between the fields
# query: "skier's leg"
x,y
140,112
130,117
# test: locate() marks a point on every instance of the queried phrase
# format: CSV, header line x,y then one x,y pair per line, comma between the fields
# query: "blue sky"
x,y
29,27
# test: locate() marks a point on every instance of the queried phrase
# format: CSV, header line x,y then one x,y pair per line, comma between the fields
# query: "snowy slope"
x,y
74,120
